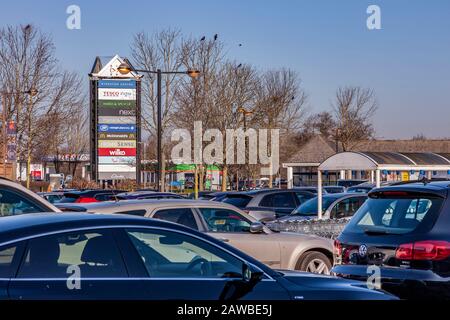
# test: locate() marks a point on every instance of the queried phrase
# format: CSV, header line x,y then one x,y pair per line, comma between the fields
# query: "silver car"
x,y
223,221
16,199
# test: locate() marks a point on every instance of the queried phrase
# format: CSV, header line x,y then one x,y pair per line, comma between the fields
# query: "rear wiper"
x,y
375,232
379,232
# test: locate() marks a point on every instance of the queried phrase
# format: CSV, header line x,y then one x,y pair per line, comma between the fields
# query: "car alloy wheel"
x,y
318,266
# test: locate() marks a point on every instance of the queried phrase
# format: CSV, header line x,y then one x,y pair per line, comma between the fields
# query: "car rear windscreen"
x,y
395,215
237,201
69,198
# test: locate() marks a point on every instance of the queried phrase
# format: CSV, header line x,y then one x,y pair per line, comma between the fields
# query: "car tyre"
x,y
315,262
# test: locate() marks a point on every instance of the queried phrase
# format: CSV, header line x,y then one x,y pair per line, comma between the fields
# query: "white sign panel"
x,y
117,143
116,120
117,160
116,94
116,168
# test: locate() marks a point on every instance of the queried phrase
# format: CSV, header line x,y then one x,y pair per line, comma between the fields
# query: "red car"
x,y
89,196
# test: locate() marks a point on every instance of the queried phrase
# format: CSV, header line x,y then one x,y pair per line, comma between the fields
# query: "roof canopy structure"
x,y
387,161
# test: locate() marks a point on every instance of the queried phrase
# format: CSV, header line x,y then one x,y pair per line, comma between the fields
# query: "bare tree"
x,y
281,104
28,62
162,50
354,108
198,98
321,123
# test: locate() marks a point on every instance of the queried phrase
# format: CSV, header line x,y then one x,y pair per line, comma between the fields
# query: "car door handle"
x,y
224,239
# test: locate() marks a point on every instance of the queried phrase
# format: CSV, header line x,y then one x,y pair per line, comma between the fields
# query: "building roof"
x,y
426,145
319,148
386,161
316,150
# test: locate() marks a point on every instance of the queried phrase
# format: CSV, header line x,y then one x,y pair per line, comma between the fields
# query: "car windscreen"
x,y
237,200
394,215
309,208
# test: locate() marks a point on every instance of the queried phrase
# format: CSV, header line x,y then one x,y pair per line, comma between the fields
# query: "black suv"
x,y
405,231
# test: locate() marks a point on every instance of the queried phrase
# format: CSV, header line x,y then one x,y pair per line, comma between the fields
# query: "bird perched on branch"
x,y
203,38
216,36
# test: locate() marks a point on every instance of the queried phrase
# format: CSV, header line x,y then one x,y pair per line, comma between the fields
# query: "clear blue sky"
x,y
407,63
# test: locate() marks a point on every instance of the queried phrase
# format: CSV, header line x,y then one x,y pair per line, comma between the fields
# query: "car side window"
x,y
13,203
302,197
182,216
224,220
279,200
137,212
346,208
7,255
95,253
174,255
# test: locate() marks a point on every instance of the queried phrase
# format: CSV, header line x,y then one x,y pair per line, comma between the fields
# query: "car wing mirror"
x,y
250,275
236,289
256,227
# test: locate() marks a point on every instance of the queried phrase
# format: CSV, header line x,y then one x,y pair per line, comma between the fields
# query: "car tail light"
x,y
424,250
394,193
405,251
337,247
86,200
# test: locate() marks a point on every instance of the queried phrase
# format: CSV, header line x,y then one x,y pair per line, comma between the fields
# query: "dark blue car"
x,y
90,256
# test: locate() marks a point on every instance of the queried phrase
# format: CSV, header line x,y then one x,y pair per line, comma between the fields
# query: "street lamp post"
x,y
125,68
245,114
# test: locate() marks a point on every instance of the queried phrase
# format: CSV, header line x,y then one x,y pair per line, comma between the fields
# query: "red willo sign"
x,y
116,152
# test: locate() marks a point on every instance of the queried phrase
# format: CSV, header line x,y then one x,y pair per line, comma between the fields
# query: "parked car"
x,y
229,224
16,199
309,189
87,196
334,189
125,257
404,231
52,197
334,206
361,188
220,195
366,187
268,204
203,195
349,182
147,195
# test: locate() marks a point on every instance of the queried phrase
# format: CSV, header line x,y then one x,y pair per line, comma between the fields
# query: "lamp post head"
x,y
244,111
124,68
193,73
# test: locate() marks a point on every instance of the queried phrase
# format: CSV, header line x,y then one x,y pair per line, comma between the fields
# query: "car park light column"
x,y
378,178
319,194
